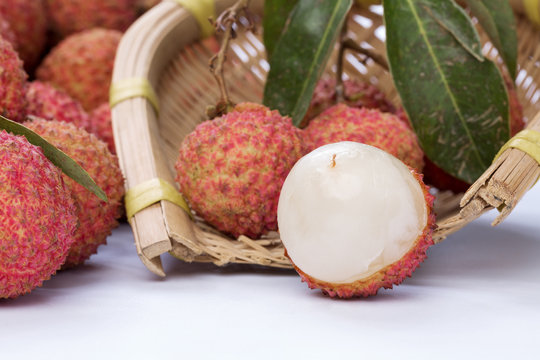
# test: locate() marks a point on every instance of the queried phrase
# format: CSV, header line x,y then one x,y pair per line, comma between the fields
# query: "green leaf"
x,y
458,105
56,156
456,21
497,19
303,48
276,14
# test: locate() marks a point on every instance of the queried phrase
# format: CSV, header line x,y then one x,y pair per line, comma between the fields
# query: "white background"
x,y
476,296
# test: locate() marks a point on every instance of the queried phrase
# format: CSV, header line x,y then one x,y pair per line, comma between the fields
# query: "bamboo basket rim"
x,y
145,51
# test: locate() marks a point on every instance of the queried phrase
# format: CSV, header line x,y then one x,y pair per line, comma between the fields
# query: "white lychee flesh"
x,y
347,210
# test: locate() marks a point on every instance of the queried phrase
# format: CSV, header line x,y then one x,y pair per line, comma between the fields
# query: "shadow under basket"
x,y
162,52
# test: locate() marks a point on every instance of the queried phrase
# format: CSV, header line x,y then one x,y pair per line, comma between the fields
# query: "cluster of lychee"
x,y
56,62
352,218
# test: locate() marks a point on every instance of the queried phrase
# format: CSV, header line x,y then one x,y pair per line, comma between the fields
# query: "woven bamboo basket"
x,y
162,71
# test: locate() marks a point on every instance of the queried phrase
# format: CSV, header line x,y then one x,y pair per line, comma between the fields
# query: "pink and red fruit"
x,y
49,103
37,217
6,33
357,94
82,65
367,126
71,16
29,24
231,169
96,218
101,125
12,83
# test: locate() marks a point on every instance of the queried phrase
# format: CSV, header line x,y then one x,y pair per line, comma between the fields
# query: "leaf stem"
x,y
225,24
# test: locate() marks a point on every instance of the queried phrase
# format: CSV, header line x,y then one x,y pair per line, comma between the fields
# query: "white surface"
x,y
476,296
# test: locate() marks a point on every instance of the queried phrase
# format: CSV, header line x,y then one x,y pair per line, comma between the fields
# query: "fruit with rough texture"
x,y
368,126
96,217
37,217
356,94
49,103
6,33
71,16
29,24
101,125
82,65
12,83
231,169
354,219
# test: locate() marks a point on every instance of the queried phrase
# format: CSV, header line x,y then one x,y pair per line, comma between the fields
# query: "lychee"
x,y
12,83
82,66
71,16
28,21
7,33
37,217
368,126
354,219
97,218
231,169
356,94
49,103
101,125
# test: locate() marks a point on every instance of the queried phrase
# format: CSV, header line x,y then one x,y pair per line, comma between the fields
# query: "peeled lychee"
x,y
97,218
37,217
231,169
368,126
101,125
49,103
356,94
12,83
29,24
354,219
72,16
82,66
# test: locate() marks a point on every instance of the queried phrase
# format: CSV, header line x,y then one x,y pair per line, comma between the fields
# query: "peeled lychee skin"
x,y
49,103
71,16
101,125
37,217
82,65
29,24
96,217
12,83
357,94
367,126
231,169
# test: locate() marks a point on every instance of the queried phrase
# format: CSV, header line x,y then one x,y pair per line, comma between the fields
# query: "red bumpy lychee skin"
x,y
37,217
49,103
82,65
6,33
29,24
71,16
368,126
12,83
391,275
357,94
96,218
101,125
231,169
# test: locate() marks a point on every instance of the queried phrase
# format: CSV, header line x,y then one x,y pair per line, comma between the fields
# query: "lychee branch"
x,y
226,23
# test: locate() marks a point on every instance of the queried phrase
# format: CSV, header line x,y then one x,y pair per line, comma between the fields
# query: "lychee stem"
x,y
225,23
